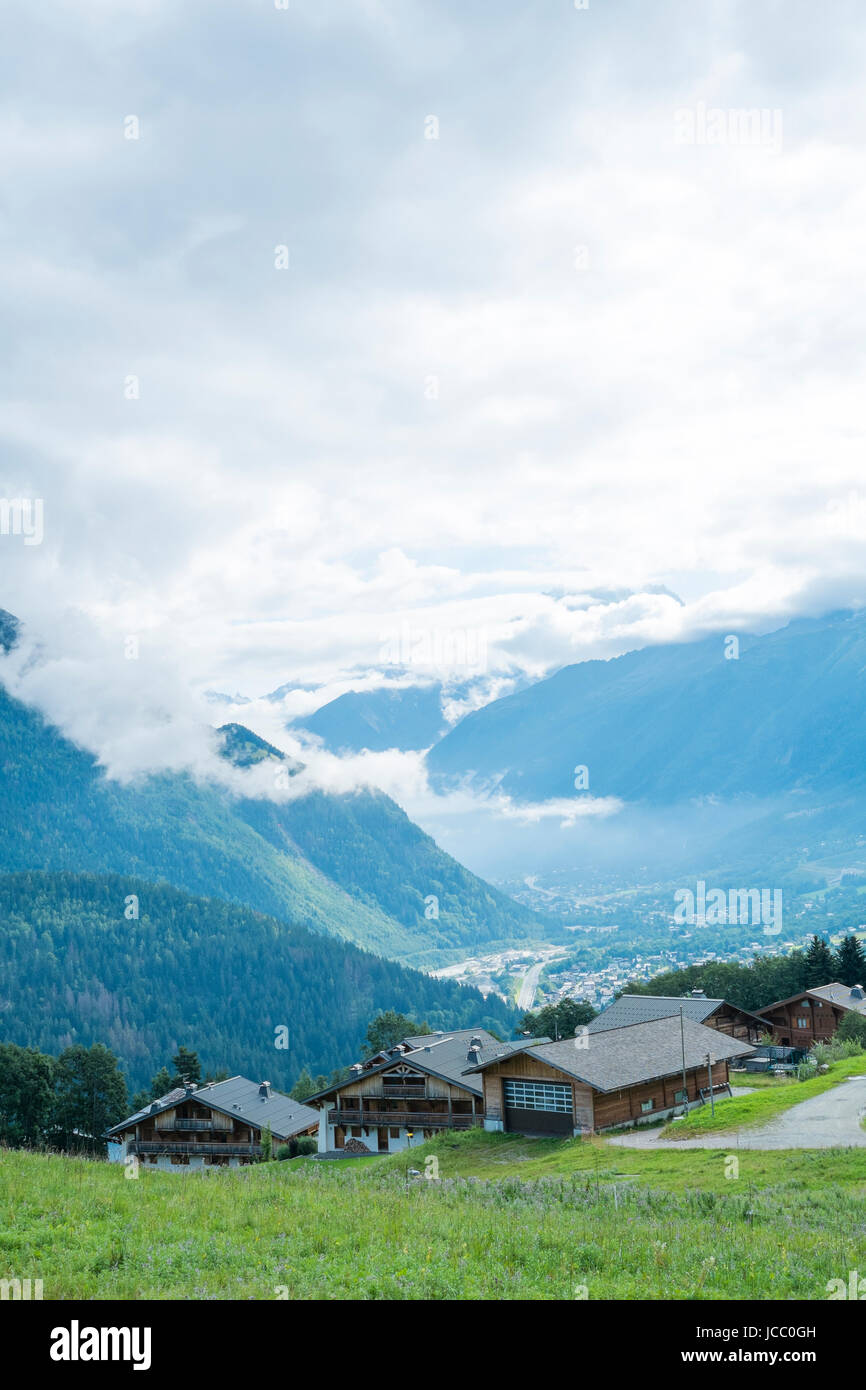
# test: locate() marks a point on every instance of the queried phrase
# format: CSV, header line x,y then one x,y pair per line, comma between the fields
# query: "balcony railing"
x,y
404,1092
195,1124
149,1146
404,1119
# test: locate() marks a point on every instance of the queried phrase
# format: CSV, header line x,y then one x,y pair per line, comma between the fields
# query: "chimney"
x,y
474,1054
265,1090
857,992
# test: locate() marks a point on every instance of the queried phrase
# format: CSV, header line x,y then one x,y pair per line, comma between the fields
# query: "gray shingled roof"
x,y
238,1097
618,1057
643,1008
843,995
440,1054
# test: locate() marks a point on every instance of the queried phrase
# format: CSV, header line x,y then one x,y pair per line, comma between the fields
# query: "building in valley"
x,y
601,1079
217,1124
406,1094
712,1013
813,1015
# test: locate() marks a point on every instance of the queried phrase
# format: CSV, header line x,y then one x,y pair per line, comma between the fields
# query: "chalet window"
x,y
646,1105
681,1095
802,1023
537,1095
355,1131
394,1133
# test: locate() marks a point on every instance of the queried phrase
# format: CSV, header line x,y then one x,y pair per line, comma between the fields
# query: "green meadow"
x,y
506,1218
767,1103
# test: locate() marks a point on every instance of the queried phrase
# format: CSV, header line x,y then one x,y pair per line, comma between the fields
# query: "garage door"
x,y
538,1107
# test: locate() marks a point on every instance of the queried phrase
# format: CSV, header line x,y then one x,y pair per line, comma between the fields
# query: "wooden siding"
x,y
822,1022
621,1107
734,1024
523,1068
435,1090
596,1109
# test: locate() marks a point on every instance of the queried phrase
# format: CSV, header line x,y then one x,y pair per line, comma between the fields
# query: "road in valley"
x,y
526,997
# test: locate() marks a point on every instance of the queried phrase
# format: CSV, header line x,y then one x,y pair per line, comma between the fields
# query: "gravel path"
x,y
828,1121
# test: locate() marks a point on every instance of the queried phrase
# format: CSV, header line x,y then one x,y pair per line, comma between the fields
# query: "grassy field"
x,y
766,1104
560,1220
760,1080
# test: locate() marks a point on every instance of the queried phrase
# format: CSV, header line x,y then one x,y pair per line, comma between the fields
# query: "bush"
x,y
852,1029
284,1152
306,1146
835,1050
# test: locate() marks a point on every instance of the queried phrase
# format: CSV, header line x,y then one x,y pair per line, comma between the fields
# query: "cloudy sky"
x,y
356,318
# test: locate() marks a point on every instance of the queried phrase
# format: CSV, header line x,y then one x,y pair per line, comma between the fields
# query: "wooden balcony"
x,y
404,1092
403,1119
149,1146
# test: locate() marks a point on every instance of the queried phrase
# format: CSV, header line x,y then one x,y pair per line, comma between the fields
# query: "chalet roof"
x,y
619,1057
443,1055
240,1098
642,1008
843,996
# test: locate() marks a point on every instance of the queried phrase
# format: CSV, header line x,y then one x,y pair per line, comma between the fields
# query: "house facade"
x,y
595,1081
813,1015
220,1125
405,1095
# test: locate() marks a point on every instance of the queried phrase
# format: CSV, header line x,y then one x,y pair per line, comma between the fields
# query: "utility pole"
x,y
710,1071
685,1082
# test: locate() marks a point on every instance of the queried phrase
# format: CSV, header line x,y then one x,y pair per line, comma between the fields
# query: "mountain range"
x,y
352,865
404,718
739,752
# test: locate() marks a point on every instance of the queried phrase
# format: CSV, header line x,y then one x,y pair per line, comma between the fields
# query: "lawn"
x,y
764,1105
562,1222
761,1080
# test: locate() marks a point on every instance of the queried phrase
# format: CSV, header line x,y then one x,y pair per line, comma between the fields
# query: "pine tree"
x,y
160,1085
187,1068
821,964
851,962
303,1087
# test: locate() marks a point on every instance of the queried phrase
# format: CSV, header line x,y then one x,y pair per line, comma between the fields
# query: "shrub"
x,y
835,1050
284,1152
852,1028
306,1146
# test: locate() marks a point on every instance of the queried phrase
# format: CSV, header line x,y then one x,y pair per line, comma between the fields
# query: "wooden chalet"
x,y
217,1124
598,1080
813,1015
712,1013
406,1094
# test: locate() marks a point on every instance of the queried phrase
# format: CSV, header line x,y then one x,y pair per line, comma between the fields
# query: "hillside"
x,y
669,723
410,717
200,972
564,1222
354,866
